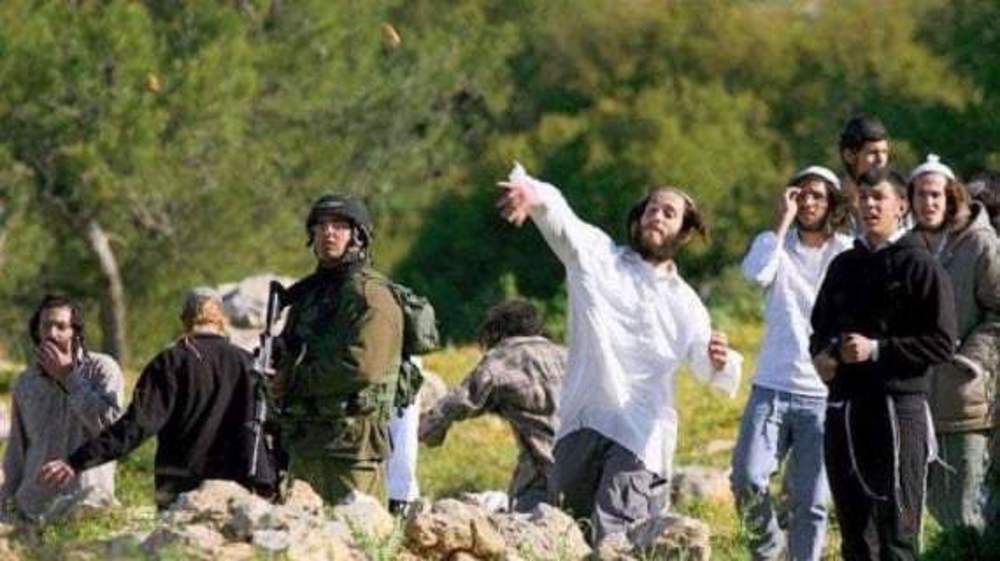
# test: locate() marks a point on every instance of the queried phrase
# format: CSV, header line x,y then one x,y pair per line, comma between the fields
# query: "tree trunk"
x,y
113,301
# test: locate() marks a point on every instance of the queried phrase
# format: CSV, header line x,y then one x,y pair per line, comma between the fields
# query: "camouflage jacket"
x,y
519,379
339,352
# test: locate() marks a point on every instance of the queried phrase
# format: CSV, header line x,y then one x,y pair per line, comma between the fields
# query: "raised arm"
x,y
762,261
568,236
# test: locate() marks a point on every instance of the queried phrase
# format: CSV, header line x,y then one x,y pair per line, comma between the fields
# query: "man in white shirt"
x,y
633,323
787,407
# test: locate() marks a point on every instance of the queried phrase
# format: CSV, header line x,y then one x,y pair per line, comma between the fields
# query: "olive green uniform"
x,y
337,374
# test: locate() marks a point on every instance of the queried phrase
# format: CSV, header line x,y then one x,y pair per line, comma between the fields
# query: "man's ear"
x,y
849,156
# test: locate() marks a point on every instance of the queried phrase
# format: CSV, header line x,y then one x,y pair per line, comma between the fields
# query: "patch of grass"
x,y
478,454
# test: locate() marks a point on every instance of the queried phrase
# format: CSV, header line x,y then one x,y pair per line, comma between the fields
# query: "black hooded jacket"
x,y
898,295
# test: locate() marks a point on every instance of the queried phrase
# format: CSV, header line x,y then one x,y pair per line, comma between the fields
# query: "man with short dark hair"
x,y
884,315
66,396
633,323
339,358
519,380
864,145
784,415
197,398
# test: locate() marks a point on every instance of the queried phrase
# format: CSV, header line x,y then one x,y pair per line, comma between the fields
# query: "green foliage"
x,y
196,134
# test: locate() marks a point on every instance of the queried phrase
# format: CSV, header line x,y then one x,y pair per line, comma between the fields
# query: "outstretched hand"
x,y
56,474
518,198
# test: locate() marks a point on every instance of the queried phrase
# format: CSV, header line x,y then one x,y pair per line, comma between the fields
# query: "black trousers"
x,y
876,461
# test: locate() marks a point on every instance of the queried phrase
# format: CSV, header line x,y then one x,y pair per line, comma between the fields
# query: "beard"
x,y
657,252
818,226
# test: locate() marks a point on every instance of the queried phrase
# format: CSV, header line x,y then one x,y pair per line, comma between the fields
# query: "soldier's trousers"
x,y
334,479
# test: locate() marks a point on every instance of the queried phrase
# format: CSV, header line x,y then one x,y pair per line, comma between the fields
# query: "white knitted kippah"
x,y
932,165
818,171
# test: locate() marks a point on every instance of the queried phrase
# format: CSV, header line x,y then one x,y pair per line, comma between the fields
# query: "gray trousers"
x,y
956,495
600,481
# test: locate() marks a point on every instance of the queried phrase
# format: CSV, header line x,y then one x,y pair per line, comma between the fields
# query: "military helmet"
x,y
343,206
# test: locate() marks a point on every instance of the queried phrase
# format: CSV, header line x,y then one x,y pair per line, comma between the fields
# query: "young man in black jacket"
x,y
883,316
197,397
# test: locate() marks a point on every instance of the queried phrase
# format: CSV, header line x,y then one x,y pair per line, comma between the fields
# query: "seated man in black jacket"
x,y
883,316
197,397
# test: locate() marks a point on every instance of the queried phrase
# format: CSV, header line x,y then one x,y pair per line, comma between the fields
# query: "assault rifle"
x,y
263,369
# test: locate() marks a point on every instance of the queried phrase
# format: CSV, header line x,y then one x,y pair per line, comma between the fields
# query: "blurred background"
x,y
146,147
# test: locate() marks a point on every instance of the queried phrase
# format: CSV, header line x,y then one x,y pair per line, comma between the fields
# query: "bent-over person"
x,y
519,379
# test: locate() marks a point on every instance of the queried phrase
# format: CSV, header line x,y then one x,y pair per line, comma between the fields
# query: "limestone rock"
x,y
615,547
700,484
196,541
245,306
363,513
247,514
672,536
544,533
451,527
491,501
304,499
318,546
209,502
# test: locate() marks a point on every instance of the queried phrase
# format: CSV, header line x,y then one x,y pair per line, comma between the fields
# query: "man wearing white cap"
x,y
958,233
633,323
787,407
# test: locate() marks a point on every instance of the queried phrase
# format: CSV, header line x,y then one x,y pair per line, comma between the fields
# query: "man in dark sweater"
x,y
197,397
883,316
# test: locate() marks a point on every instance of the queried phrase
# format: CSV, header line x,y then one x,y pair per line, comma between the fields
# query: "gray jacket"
x,y
961,396
50,419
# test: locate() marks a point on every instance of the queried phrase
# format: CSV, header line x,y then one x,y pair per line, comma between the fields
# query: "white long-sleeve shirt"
x,y
631,327
791,273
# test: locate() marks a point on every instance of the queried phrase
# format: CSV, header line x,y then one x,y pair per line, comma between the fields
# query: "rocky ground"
x,y
222,521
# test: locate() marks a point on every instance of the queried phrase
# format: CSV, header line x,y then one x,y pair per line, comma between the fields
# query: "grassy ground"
x,y
479,455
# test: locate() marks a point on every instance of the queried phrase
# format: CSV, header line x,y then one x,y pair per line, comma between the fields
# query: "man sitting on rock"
x,y
519,380
197,397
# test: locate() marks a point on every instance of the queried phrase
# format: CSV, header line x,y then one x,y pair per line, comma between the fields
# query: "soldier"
x,y
338,358
63,398
519,380
197,398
